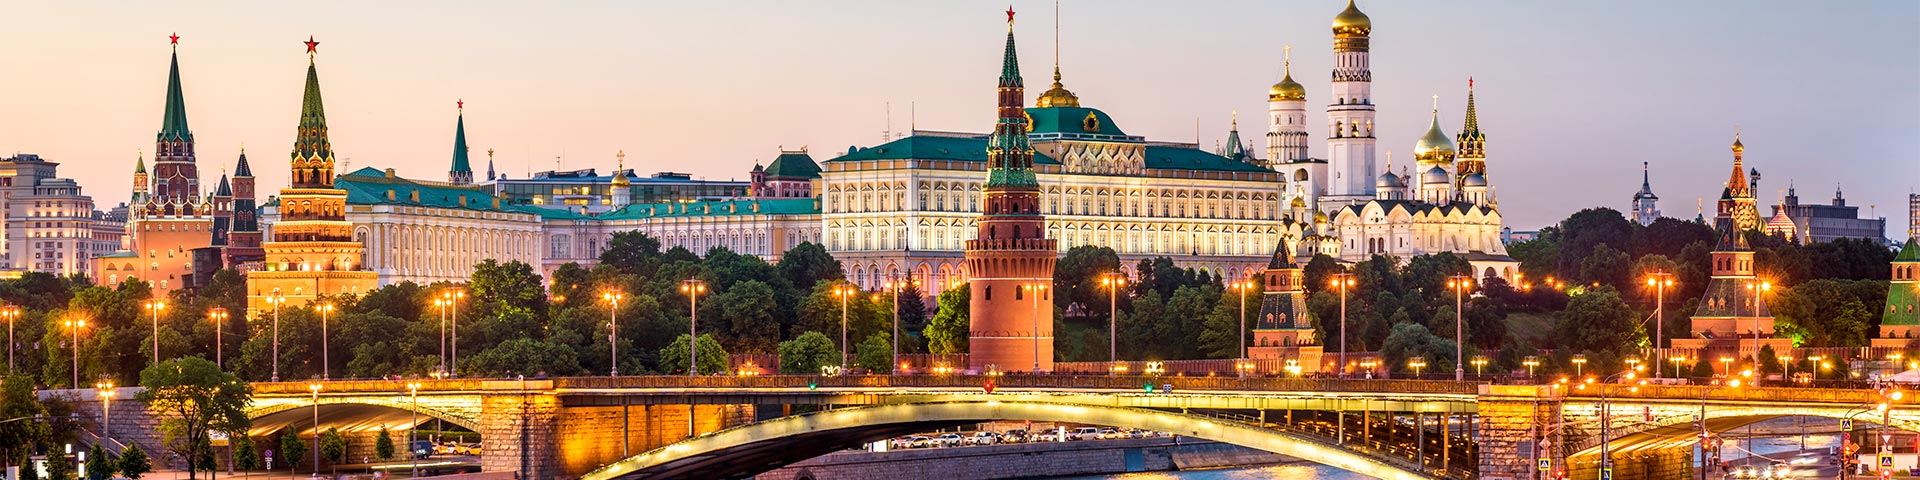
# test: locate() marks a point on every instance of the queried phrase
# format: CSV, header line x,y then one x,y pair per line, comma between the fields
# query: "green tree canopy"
x,y
191,396
1599,321
805,354
134,462
947,332
713,358
875,354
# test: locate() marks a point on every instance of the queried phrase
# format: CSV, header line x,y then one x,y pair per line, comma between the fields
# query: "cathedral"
x,y
1445,204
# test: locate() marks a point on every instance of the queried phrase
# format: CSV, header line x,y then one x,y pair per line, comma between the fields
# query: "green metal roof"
x,y
779,206
929,147
1176,158
460,145
1072,120
793,165
173,126
1909,252
369,186
311,141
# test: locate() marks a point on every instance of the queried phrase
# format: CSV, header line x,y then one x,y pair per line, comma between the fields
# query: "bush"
x,y
383,444
333,447
134,462
804,355
99,467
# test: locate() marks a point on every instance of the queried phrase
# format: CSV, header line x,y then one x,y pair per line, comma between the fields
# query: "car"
x,y
1743,472
1778,470
950,440
1111,434
420,448
1014,436
982,438
1085,433
917,441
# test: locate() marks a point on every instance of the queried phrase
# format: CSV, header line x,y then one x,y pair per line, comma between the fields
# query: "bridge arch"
x,y
754,448
272,416
1674,426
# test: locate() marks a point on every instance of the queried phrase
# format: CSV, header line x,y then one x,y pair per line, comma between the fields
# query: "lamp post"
x,y
105,390
1760,303
154,307
612,298
1479,365
1531,362
693,288
1417,364
1113,282
75,324
897,288
1035,290
413,394
1579,364
1343,281
453,320
11,312
1813,362
442,305
276,299
1659,281
218,317
1726,366
1677,361
325,309
844,292
1459,284
1606,411
315,387
1242,332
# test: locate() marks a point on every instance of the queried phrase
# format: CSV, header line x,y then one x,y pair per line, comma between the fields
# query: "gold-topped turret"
x,y
1058,96
620,171
1352,22
1287,89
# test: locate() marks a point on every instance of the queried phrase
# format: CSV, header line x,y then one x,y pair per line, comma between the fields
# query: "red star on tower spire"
x,y
460,104
175,38
311,45
1009,14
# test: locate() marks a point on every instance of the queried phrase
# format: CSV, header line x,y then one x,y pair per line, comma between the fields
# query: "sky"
x,y
1573,96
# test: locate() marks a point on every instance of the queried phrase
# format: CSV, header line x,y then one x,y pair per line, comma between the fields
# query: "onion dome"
x,y
1737,147
620,172
1434,146
1351,21
1435,175
1299,203
1287,89
1058,96
1474,180
1319,217
1389,180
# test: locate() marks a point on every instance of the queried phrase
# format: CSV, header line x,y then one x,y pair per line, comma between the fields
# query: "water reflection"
x,y
1292,471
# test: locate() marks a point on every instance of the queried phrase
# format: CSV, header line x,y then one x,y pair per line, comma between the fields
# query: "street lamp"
x,y
154,307
11,312
442,305
1579,364
1459,284
325,361
1417,363
218,317
693,288
106,392
1760,303
1343,281
315,387
453,297
1814,361
1242,332
1113,282
1677,361
844,292
413,429
897,288
276,299
1480,365
1035,290
1726,365
1660,281
612,297
1531,361
75,324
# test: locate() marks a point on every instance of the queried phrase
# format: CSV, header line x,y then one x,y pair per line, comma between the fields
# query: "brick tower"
x,y
1010,260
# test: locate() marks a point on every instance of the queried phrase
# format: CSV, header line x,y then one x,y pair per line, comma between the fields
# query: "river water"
x,y
1291,471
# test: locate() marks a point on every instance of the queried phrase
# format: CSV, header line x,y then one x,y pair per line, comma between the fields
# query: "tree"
x,y
1410,340
291,448
1827,312
808,263
99,467
333,447
913,316
1077,278
383,444
1607,266
245,455
525,356
17,400
1581,232
742,317
1599,321
805,354
875,354
134,462
59,466
713,359
1702,369
1769,361
1219,340
947,333
632,252
191,396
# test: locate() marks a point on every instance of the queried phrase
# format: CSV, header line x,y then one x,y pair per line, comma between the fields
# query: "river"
x,y
1291,471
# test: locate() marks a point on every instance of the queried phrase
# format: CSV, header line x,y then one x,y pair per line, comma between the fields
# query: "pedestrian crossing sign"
x,y
1886,460
1846,424
1546,464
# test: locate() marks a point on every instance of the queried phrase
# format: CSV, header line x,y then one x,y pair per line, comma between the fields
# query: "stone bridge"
x,y
731,427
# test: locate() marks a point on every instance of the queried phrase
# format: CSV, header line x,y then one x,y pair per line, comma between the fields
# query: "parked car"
x,y
420,448
1085,433
982,438
1014,436
950,440
1110,434
918,441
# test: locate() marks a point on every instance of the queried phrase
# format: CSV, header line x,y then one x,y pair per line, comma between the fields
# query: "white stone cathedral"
x,y
1445,204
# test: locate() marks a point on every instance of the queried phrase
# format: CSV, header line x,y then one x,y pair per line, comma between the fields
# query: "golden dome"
x,y
1299,203
620,172
1319,217
1434,146
1058,96
1287,89
1351,21
1737,147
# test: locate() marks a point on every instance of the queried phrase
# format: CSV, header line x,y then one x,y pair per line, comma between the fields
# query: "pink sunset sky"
x,y
1573,95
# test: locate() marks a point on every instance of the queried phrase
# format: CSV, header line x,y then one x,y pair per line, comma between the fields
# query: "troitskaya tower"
x,y
1350,141
312,251
1010,260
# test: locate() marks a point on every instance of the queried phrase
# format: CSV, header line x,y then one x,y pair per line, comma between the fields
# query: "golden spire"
x,y
1287,89
1058,96
620,172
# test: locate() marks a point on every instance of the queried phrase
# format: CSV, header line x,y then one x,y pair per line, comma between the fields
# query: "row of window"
x,y
1154,203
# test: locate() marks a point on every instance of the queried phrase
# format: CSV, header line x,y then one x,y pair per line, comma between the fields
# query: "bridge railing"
x,y
1723,393
1140,383
365,386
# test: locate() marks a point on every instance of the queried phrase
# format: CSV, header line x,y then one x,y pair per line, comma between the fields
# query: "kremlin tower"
x,y
1733,314
1350,146
1010,261
313,251
462,172
243,242
1284,330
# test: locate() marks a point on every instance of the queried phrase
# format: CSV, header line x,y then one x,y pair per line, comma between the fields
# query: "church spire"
x,y
1009,155
490,175
312,152
461,173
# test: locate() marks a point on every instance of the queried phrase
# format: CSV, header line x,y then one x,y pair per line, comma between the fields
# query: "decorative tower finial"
x,y
1058,95
312,48
174,39
461,172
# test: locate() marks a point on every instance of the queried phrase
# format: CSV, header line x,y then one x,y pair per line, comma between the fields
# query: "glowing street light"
x,y
1113,282
1579,364
1035,290
1660,281
218,317
896,287
1677,361
106,392
276,299
75,324
1343,282
1459,284
1243,287
612,297
1531,362
844,292
154,307
1417,364
693,288
453,296
315,387
1479,365
325,309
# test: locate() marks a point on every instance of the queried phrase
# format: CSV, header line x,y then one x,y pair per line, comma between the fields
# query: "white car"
x,y
949,440
1084,433
982,438
917,441
1111,434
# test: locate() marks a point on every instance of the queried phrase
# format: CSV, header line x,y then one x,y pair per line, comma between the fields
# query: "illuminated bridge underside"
x,y
743,451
